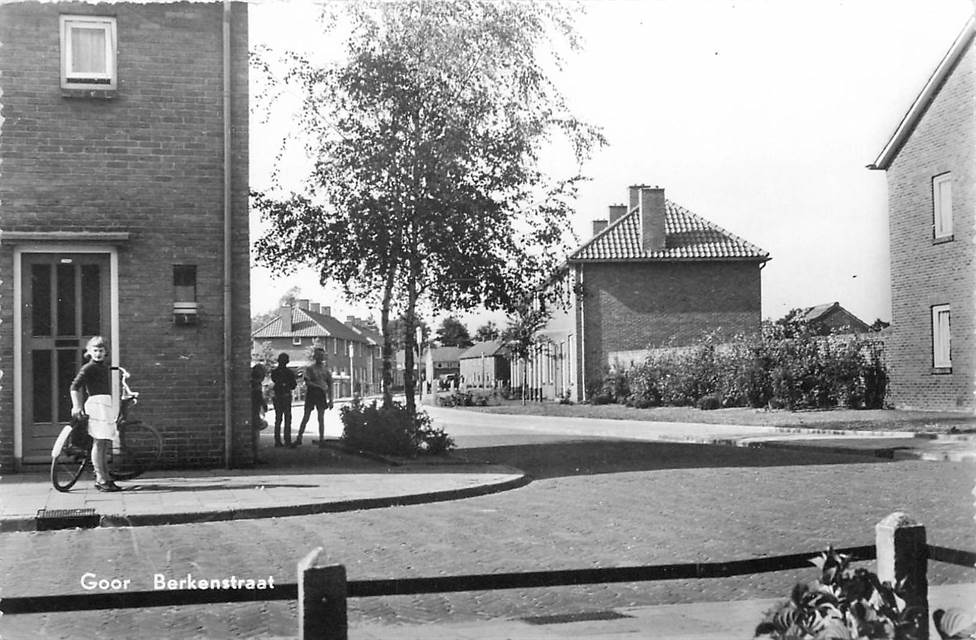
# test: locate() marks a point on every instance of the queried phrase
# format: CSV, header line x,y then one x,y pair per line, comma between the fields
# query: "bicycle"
x,y
139,445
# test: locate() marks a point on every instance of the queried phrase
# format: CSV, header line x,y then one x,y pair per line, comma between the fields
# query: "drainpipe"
x,y
228,308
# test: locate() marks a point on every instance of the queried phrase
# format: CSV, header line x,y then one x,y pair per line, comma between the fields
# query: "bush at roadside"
x,y
803,371
391,430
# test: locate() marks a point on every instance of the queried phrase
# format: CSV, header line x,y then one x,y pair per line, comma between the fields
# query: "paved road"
x,y
594,504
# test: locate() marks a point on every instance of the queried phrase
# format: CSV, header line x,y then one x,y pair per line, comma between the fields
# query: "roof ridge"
x,y
720,229
613,225
920,105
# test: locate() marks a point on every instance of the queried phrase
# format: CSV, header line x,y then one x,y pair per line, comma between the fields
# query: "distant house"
x,y
653,274
931,173
124,190
351,353
485,365
443,365
832,318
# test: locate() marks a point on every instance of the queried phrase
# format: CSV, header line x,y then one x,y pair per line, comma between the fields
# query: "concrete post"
x,y
321,600
902,559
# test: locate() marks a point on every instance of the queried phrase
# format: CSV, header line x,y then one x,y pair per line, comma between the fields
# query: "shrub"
x,y
842,603
766,370
708,403
391,430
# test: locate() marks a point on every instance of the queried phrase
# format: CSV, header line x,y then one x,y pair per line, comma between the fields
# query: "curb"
x,y
24,523
889,453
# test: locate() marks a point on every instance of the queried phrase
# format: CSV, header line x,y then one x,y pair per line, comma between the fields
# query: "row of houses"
x,y
124,154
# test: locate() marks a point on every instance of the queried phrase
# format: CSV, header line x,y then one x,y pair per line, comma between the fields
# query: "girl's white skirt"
x,y
101,421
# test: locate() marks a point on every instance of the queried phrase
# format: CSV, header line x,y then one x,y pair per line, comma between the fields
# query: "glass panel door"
x,y
65,303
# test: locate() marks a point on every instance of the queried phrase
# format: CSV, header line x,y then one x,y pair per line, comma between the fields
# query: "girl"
x,y
91,396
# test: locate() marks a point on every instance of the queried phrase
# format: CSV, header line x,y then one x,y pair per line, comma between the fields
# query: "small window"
x,y
296,341
942,206
941,339
88,52
185,283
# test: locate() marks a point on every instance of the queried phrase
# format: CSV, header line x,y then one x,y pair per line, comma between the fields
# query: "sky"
x,y
758,115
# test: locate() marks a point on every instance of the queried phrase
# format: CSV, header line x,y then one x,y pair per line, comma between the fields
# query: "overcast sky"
x,y
757,115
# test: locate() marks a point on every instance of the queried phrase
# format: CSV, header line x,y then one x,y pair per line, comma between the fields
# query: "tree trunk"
x,y
387,343
525,377
409,380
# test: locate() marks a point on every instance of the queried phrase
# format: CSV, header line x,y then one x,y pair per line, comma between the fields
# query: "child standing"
x,y
284,383
318,394
91,395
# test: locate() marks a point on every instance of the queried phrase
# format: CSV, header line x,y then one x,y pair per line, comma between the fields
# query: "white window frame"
x,y
296,341
941,337
107,80
942,206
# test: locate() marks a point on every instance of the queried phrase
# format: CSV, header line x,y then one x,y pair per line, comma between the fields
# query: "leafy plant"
x,y
393,430
843,604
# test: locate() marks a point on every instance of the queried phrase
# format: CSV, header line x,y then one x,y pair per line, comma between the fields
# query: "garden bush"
x,y
798,370
391,430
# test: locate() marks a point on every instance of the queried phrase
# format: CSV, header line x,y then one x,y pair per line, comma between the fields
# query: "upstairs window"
x,y
941,352
942,206
88,52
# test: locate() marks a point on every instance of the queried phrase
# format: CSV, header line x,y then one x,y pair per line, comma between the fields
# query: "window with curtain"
x,y
88,52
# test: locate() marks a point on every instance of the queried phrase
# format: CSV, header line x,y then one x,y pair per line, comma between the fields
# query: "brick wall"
x,y
924,273
149,161
628,306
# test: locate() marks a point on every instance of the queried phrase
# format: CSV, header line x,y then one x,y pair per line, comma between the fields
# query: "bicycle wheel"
x,y
66,466
140,449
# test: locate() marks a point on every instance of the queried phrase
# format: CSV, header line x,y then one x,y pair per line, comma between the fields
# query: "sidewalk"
x,y
696,621
291,482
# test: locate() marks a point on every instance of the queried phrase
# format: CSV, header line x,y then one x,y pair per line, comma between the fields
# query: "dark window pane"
x,y
67,368
91,300
184,283
67,305
40,299
41,385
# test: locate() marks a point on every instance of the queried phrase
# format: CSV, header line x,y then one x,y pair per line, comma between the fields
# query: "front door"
x,y
65,302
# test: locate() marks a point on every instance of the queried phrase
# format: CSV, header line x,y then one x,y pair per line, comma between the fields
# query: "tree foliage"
x,y
453,333
426,141
487,331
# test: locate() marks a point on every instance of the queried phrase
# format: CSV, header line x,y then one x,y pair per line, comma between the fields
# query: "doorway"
x,y
65,300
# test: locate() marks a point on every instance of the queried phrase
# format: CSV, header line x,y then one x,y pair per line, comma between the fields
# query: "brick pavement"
x,y
652,516
595,503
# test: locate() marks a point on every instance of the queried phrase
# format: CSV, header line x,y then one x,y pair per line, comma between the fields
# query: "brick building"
x,y
930,166
654,273
485,365
124,196
831,317
353,350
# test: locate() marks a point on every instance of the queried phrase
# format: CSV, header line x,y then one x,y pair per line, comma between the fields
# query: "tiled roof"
x,y
308,324
688,237
816,312
488,349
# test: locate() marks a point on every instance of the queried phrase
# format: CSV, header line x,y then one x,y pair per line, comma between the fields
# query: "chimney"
x,y
351,320
652,216
617,211
598,226
634,192
326,311
285,314
314,307
303,304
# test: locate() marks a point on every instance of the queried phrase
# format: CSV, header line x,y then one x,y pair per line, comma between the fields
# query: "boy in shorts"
x,y
318,394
